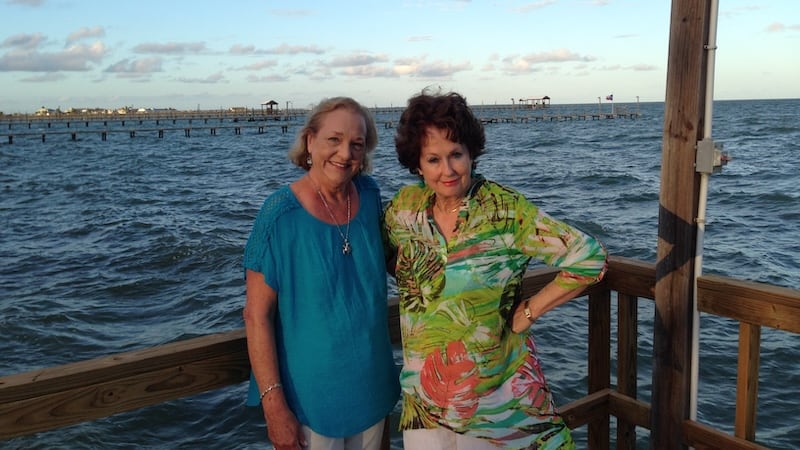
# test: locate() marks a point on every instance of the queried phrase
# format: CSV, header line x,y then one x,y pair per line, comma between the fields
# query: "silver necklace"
x,y
346,249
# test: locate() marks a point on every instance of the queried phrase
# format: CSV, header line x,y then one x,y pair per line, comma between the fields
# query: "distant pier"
x,y
197,123
561,117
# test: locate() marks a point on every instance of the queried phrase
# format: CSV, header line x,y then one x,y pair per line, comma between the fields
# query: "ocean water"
x,y
110,246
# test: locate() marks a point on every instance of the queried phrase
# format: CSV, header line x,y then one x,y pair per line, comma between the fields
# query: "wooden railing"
x,y
55,397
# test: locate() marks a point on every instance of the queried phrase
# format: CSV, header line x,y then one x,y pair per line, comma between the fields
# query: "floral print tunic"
x,y
464,369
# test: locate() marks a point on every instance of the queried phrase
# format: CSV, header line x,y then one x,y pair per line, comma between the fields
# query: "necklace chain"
x,y
346,249
445,210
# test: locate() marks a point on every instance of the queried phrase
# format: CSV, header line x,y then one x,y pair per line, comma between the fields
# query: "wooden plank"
x,y
629,409
627,362
122,365
599,362
586,410
677,233
749,301
92,399
599,335
703,437
747,381
633,277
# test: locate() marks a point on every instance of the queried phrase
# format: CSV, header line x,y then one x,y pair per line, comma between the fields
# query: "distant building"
x,y
92,111
46,112
535,102
270,107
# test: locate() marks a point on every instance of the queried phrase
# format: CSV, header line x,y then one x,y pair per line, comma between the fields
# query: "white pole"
x,y
711,47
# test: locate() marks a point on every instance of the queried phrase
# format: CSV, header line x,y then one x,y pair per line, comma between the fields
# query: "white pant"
x,y
443,439
369,439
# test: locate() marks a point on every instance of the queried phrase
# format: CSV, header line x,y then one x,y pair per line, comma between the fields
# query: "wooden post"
x,y
747,381
677,233
627,362
599,362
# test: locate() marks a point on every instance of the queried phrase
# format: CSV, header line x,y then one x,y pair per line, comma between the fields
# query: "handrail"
x,y
55,397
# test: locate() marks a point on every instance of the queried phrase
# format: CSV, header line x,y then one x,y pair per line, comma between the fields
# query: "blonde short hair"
x,y
298,153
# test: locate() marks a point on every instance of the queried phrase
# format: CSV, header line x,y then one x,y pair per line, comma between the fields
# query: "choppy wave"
x,y
114,245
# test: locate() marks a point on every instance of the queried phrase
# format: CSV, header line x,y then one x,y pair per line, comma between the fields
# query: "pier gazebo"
x,y
268,107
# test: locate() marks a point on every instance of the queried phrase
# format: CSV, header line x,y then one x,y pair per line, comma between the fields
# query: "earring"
x,y
308,160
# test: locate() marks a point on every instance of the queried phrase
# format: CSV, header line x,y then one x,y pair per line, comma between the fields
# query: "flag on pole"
x,y
610,97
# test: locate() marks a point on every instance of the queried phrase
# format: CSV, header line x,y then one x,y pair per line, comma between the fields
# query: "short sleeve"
x,y
259,252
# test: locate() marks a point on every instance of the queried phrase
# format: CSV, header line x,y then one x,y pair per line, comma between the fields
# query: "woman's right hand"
x,y
284,431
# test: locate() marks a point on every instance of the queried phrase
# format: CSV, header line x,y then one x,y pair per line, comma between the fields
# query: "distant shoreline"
x,y
169,113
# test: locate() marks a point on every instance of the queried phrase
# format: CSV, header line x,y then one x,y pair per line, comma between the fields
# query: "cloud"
x,y
135,68
618,68
23,41
285,49
643,67
45,78
440,69
74,58
243,50
777,27
260,65
84,33
211,79
358,59
292,12
742,10
420,38
558,55
370,72
171,48
32,3
267,78
282,49
516,64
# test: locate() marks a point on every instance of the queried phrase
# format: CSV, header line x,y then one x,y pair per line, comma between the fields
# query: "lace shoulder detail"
x,y
276,205
280,202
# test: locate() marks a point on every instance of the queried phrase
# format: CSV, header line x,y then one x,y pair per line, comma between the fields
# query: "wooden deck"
x,y
55,397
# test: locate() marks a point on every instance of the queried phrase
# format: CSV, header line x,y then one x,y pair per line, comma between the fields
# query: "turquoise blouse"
x,y
334,352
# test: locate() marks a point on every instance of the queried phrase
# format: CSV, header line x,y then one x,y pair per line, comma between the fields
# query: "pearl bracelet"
x,y
270,388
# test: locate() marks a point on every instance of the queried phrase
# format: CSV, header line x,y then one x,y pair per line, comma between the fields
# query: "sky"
x,y
213,55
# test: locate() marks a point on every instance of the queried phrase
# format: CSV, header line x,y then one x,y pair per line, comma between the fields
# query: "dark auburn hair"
x,y
448,112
